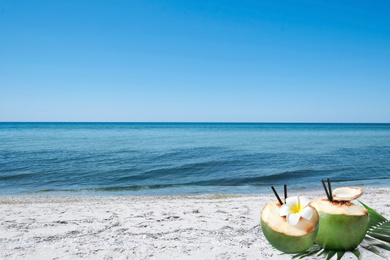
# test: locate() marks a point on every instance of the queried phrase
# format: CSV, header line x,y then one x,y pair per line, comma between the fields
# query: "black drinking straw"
x,y
330,191
326,190
276,194
285,193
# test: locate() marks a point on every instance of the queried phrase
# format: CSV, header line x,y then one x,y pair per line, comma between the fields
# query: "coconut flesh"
x,y
347,193
343,225
286,237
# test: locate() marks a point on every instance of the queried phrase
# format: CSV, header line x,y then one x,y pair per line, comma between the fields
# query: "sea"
x,y
164,159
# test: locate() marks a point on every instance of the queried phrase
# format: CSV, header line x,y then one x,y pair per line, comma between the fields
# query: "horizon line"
x,y
191,122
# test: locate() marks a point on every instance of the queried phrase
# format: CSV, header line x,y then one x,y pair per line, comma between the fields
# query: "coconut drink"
x,y
290,227
343,225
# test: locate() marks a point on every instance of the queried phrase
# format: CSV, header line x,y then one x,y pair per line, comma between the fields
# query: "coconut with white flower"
x,y
290,226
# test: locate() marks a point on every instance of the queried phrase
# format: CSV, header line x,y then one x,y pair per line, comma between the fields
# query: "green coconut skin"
x,y
341,232
286,243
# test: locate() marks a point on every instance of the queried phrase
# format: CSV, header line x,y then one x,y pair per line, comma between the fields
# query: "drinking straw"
x,y
326,191
330,191
277,196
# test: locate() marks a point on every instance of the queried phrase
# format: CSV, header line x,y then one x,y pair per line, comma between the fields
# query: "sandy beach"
x,y
204,227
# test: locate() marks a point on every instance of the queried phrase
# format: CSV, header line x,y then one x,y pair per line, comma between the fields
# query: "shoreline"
x,y
211,226
104,194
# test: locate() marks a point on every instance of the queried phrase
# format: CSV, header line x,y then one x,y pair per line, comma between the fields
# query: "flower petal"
x,y
284,210
292,200
304,201
293,218
306,213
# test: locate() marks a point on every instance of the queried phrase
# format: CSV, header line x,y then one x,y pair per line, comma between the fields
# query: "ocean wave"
x,y
183,188
180,171
17,176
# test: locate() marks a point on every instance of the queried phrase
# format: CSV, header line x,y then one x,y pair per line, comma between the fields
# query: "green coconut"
x,y
285,237
343,225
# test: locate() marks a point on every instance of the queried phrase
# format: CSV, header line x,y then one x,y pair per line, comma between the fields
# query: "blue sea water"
x,y
189,158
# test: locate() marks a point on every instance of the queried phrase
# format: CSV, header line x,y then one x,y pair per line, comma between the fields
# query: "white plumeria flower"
x,y
295,208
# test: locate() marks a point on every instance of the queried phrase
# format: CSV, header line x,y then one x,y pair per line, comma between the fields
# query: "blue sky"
x,y
195,61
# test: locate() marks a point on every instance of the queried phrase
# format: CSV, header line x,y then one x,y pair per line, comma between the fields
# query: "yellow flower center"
x,y
296,208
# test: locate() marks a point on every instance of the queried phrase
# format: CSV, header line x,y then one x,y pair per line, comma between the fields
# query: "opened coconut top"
x,y
271,216
350,209
347,193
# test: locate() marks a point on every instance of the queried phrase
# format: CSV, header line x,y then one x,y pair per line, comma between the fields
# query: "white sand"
x,y
208,227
